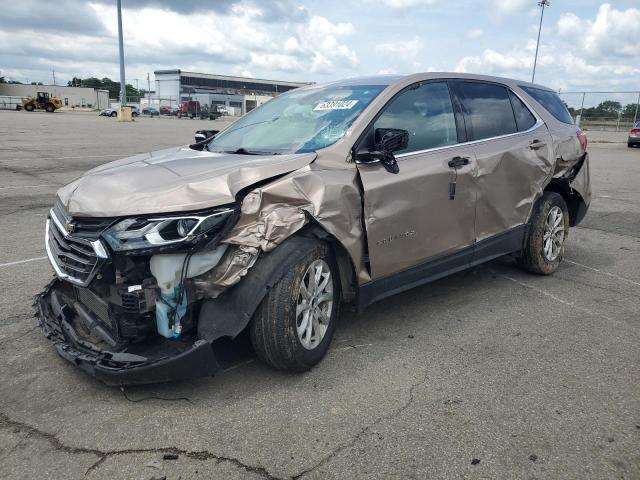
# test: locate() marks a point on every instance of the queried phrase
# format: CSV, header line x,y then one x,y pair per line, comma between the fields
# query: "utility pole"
x,y
635,115
53,72
123,87
148,88
541,3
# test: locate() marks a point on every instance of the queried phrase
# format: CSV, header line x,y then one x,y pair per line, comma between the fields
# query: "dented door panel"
x,y
512,173
409,217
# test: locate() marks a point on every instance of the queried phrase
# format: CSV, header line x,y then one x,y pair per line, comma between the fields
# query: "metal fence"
x,y
611,111
10,103
165,104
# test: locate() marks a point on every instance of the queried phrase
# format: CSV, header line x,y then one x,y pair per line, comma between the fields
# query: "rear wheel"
x,y
293,326
548,230
29,107
114,114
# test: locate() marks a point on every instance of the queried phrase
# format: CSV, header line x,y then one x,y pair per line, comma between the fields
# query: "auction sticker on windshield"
x,y
336,105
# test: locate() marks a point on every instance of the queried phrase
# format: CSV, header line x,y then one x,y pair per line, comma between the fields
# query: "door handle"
x,y
457,162
536,144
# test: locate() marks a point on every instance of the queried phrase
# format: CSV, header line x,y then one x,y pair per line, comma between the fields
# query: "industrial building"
x,y
239,94
81,97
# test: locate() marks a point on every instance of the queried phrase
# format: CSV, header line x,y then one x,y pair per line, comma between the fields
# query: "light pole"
x,y
123,88
541,3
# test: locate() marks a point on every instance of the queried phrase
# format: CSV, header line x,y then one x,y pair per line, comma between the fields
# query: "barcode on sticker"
x,y
336,105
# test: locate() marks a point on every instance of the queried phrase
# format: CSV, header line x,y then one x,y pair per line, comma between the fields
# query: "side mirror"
x,y
391,139
201,137
387,141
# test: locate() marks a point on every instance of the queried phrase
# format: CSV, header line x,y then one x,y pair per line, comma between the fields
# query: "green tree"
x,y
609,108
105,84
629,110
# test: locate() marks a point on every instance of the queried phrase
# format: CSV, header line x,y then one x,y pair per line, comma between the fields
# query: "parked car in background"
x,y
634,136
339,193
150,111
167,110
113,112
108,112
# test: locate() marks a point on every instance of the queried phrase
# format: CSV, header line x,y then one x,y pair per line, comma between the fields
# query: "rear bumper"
x,y
117,367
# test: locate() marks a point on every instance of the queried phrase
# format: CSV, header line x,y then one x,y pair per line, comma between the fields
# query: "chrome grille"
x,y
74,259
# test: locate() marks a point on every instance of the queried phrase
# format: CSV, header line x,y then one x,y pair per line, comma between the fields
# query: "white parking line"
x,y
612,275
28,186
122,155
552,296
18,262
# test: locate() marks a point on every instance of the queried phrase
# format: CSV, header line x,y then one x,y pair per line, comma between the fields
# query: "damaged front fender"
x,y
272,213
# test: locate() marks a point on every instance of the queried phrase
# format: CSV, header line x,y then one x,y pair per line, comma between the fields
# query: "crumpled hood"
x,y
171,180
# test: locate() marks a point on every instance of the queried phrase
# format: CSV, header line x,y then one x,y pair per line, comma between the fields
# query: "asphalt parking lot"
x,y
490,373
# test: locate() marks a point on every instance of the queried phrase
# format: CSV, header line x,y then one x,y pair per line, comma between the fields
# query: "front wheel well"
x,y
348,283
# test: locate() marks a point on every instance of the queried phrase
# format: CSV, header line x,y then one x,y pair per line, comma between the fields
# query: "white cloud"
x,y
578,53
509,7
403,4
400,56
225,41
475,33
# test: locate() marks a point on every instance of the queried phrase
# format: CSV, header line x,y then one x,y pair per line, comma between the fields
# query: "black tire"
x,y
273,329
114,114
533,257
50,108
29,107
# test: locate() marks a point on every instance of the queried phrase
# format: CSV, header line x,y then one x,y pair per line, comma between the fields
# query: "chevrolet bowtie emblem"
x,y
71,227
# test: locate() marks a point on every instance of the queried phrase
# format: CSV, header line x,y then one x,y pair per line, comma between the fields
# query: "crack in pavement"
x,y
6,422
366,429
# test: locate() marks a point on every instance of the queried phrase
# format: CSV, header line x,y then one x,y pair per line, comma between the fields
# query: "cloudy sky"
x,y
586,44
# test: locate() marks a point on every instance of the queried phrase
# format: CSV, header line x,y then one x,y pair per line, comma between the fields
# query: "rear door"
x,y
409,216
513,150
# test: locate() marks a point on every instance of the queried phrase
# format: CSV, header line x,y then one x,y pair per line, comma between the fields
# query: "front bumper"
x,y
160,363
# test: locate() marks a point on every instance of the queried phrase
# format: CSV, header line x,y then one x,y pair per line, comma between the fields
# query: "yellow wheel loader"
x,y
42,101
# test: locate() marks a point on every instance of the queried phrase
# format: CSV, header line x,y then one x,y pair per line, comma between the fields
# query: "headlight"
x,y
139,233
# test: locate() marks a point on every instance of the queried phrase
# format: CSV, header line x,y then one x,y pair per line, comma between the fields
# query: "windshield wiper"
x,y
243,151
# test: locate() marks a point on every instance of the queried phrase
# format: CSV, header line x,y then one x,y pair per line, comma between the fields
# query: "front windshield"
x,y
299,121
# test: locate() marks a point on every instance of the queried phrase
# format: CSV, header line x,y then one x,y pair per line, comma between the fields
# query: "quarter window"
x,y
487,110
426,113
552,102
524,118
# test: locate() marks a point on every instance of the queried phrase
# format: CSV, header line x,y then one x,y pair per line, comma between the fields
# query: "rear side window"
x,y
487,110
524,118
426,113
551,101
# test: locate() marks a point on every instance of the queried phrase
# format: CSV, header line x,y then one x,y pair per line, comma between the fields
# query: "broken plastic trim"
x,y
117,368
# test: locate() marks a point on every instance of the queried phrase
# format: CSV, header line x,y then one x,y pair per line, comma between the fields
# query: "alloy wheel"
x,y
314,304
553,237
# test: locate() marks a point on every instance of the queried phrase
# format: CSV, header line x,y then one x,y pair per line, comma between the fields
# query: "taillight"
x,y
634,130
582,138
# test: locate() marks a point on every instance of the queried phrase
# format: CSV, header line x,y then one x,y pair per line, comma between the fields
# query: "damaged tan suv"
x,y
332,194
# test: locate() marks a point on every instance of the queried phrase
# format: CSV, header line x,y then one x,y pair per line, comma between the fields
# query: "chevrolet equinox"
x,y
332,194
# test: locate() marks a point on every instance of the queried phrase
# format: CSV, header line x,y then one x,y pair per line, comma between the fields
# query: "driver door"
x,y
410,218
